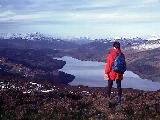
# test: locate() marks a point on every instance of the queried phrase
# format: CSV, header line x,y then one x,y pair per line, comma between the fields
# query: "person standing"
x,y
115,75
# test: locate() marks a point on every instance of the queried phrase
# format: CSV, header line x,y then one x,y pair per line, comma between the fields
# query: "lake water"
x,y
90,73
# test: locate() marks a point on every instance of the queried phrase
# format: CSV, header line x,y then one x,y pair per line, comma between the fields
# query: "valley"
x,y
32,85
142,56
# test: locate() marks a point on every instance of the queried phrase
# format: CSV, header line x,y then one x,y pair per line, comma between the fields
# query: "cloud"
x,y
78,13
103,18
10,16
33,16
151,1
53,17
73,11
7,13
45,17
39,5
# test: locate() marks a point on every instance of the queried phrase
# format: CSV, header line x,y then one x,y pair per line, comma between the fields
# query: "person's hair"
x,y
116,44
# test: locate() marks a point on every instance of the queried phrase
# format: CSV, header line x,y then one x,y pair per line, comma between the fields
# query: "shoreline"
x,y
142,76
82,75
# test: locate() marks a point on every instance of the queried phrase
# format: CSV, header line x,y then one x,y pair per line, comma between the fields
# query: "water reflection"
x,y
91,74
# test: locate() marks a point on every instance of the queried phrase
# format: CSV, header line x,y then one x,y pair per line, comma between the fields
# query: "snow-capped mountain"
x,y
147,45
27,36
137,43
33,41
152,37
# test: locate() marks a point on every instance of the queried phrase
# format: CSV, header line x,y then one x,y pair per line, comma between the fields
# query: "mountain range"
x,y
142,55
33,87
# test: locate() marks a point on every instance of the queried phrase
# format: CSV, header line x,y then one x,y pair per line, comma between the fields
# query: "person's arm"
x,y
110,62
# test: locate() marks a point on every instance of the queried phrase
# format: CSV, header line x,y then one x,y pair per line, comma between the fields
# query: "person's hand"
x,y
106,77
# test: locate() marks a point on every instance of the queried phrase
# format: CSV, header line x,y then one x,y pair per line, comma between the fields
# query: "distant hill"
x,y
34,41
33,64
145,63
142,55
32,87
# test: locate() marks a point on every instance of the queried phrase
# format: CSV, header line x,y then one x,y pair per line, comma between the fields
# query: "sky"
x,y
78,18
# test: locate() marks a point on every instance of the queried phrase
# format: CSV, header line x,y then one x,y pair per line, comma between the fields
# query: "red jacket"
x,y
112,75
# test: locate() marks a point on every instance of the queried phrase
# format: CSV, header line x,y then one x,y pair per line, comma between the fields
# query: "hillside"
x,y
32,87
142,60
27,99
145,63
142,55
34,41
33,64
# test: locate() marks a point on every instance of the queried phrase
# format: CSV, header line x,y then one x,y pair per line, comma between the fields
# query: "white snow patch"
x,y
26,92
85,92
46,91
146,46
38,85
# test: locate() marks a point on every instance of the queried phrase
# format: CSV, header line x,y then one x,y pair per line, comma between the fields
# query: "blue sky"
x,y
91,18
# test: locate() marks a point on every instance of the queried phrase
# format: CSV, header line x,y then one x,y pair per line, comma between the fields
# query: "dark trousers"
x,y
110,83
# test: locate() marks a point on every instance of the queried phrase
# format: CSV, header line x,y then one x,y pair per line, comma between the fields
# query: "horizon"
x,y
92,19
147,37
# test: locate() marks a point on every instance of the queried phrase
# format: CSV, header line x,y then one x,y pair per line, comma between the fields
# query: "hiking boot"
x,y
108,102
119,99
